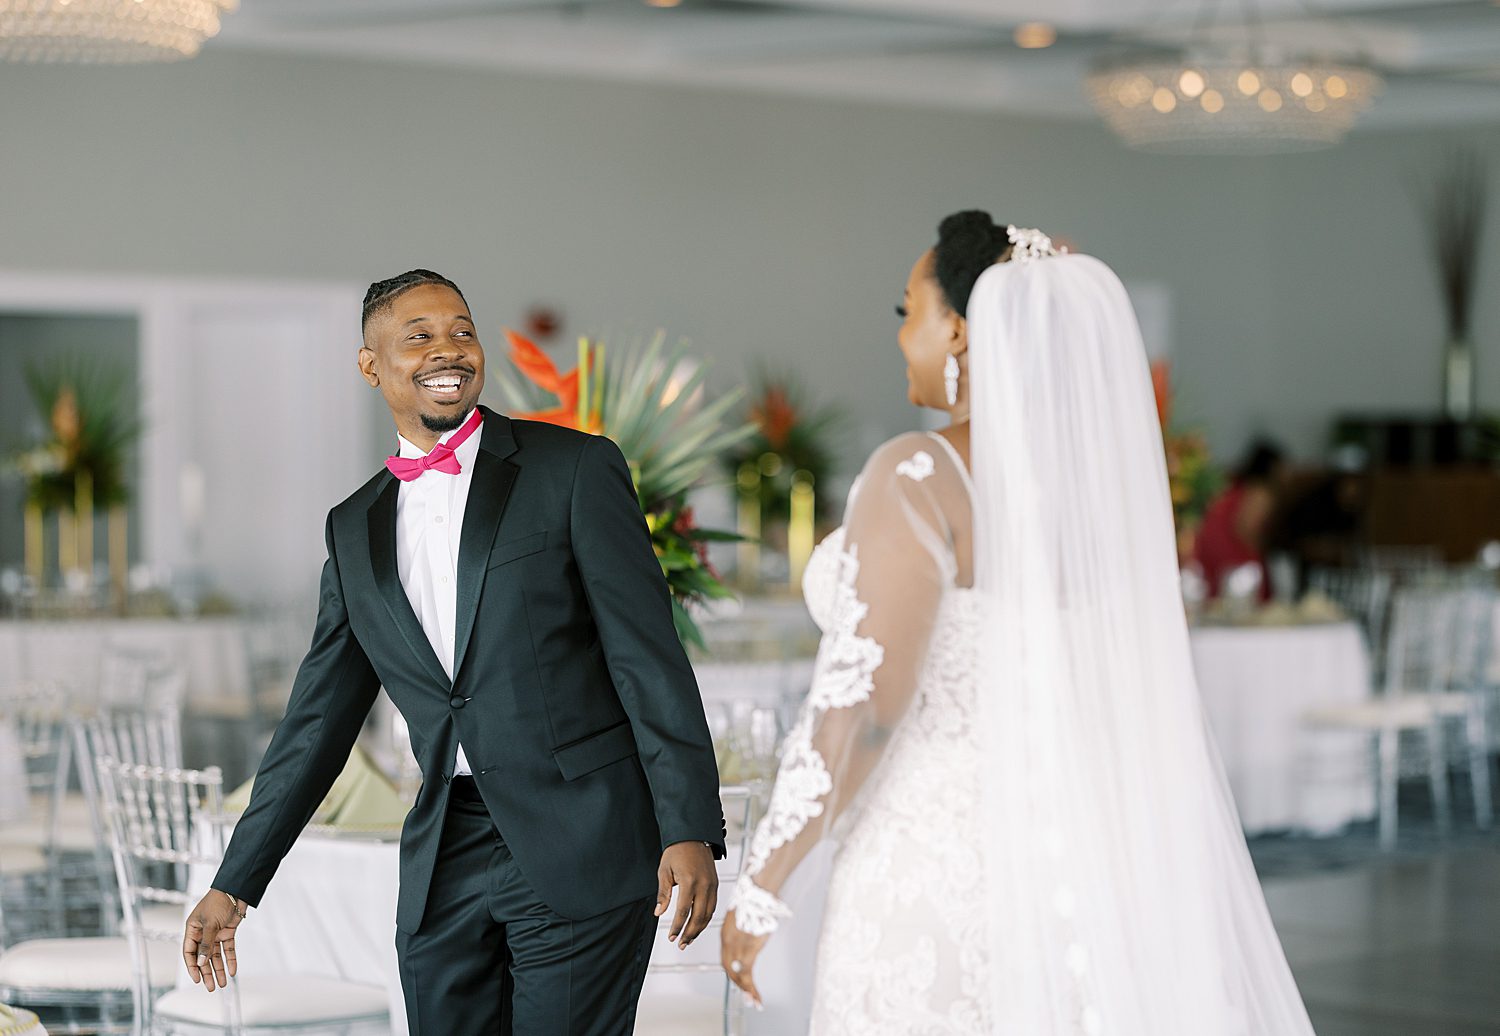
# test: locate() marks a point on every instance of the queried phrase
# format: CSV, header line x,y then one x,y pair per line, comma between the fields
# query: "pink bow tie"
x,y
442,457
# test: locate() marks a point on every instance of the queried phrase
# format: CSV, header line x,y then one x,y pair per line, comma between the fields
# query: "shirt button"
x,y
443,580
438,519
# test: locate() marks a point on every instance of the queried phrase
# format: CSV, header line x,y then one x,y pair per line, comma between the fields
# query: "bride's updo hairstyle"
x,y
969,243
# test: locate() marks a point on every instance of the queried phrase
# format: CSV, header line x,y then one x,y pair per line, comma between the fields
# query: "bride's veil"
x,y
1121,897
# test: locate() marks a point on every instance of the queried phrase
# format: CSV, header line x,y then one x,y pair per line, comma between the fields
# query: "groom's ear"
x,y
367,366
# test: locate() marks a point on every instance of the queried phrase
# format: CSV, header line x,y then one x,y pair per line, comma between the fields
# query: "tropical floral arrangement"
x,y
89,409
649,402
792,434
1191,474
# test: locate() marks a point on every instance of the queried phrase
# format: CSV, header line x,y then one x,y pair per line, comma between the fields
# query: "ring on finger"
x,y
736,967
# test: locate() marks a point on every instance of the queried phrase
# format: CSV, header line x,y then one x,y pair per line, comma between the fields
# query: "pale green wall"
x,y
758,226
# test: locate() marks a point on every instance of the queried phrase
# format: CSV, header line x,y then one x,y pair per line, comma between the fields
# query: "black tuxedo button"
x,y
457,701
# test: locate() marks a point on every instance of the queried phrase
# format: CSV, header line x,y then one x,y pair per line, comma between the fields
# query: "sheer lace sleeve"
x,y
883,579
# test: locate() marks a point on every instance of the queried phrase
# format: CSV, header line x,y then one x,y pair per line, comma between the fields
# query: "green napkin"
x,y
361,796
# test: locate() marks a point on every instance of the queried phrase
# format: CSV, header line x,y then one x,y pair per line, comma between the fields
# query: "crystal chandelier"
x,y
107,31
1220,95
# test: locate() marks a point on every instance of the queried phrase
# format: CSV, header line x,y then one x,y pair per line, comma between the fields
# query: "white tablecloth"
x,y
15,802
212,652
331,911
1257,683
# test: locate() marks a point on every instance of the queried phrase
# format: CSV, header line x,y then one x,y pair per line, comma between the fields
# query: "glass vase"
x,y
1458,379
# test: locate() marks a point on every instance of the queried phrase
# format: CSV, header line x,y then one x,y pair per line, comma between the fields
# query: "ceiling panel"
x,y
944,53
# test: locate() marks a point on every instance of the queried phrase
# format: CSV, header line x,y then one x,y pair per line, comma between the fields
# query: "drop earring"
x,y
950,378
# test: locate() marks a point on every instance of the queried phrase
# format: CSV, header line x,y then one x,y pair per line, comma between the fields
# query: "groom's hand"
x,y
208,942
689,866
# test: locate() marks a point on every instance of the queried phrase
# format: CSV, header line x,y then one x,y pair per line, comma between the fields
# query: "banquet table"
x,y
213,652
1256,683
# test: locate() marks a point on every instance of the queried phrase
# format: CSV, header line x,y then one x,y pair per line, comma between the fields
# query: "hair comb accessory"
x,y
1028,243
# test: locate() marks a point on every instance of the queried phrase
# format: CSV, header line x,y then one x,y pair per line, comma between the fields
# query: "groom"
x,y
499,581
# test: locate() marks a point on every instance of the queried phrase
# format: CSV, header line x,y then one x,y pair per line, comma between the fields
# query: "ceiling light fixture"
x,y
1035,35
1230,93
107,32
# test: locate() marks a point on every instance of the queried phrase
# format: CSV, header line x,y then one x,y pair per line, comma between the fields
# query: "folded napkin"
x,y
16,1022
1319,607
361,796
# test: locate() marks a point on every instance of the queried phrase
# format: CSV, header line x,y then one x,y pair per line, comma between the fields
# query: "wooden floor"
x,y
1397,949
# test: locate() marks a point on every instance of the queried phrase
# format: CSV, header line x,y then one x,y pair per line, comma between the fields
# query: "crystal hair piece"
x,y
1029,243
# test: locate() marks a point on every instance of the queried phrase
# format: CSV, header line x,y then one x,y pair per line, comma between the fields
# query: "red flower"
x,y
1161,384
539,369
776,417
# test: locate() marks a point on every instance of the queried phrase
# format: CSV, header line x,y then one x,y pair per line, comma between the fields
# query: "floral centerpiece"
x,y
88,410
654,413
792,435
1191,476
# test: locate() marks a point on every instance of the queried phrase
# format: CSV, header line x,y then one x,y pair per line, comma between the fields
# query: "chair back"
x,y
1472,629
133,679
1420,641
1405,564
161,823
1365,596
37,714
136,736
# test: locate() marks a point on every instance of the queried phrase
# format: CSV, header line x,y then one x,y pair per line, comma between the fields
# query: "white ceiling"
x,y
1442,57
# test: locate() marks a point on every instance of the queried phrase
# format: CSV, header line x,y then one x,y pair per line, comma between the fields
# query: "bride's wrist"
x,y
757,911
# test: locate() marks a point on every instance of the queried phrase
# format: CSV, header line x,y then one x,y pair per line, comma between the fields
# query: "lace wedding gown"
x,y
1036,837
902,947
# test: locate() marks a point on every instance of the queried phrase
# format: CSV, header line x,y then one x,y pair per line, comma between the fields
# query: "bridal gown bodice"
x,y
901,950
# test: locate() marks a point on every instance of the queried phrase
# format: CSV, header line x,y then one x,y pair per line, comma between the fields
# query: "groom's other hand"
x,y
208,942
690,867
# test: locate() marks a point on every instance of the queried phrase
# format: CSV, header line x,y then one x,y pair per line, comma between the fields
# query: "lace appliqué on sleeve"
x,y
844,677
918,467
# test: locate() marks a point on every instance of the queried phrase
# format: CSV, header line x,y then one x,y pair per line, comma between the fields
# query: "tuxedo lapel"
x,y
489,490
382,527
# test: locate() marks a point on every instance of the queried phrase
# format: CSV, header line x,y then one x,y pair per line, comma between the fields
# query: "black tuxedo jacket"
x,y
573,698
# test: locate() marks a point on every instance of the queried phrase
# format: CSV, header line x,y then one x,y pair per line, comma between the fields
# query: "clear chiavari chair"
x,y
147,736
703,956
34,716
1364,594
1466,682
163,824
1420,696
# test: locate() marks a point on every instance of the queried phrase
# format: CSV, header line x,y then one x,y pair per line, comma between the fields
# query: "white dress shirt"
x,y
429,522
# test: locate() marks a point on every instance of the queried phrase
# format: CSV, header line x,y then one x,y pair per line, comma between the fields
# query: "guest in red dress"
x,y
1233,531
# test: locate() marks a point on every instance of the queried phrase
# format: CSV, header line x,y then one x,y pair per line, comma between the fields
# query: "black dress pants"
x,y
490,958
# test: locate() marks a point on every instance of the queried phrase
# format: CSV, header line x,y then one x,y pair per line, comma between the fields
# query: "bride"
x,y
1003,733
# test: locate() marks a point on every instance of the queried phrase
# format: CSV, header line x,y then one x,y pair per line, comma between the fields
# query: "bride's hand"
x,y
737,953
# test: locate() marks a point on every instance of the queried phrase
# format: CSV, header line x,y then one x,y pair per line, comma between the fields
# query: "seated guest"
x,y
1233,532
1321,525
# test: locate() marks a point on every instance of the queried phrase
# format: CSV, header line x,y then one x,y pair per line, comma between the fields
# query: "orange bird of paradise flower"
x,y
1161,384
539,369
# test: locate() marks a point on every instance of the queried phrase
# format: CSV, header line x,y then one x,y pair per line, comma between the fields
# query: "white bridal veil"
x,y
1120,894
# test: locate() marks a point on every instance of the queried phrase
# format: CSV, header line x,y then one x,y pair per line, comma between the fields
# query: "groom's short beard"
x,y
441,423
